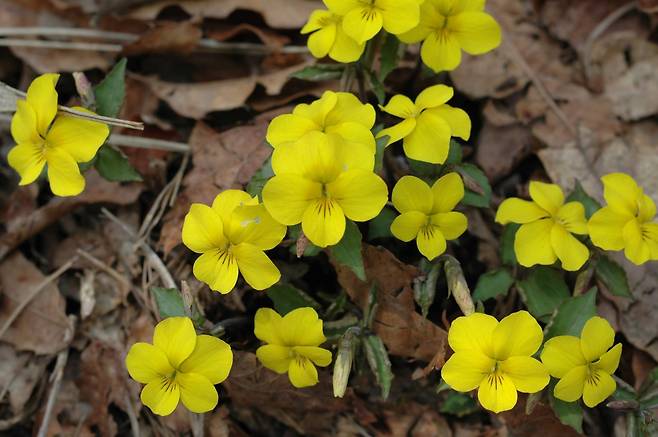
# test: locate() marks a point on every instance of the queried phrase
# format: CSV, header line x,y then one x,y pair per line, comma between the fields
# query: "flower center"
x,y
593,376
428,230
168,383
495,377
324,206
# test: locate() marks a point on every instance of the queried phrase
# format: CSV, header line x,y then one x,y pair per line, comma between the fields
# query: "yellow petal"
x,y
447,192
274,357
341,7
430,140
355,135
288,128
42,97
399,15
362,24
598,387
203,229
650,234
465,371
451,224
196,392
636,248
610,360
287,197
345,49
561,354
646,209
572,216
471,5
211,358
314,156
497,393
317,20
516,210
547,196
441,52
302,327
228,200
302,373
354,156
176,337
361,194
596,338
572,253
532,244
527,374
430,19
161,396
256,268
400,106
24,124
476,32
518,334
434,96
324,222
266,326
458,120
63,173
319,357
431,242
570,387
605,228
622,193
319,109
146,363
254,225
79,138
321,41
472,333
218,269
398,131
349,108
28,160
405,227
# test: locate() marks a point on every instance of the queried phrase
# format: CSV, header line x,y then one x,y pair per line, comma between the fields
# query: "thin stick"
x,y
106,268
147,143
34,293
67,32
60,45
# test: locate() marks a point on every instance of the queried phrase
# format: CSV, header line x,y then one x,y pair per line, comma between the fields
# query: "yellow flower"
x,y
339,115
179,365
427,213
584,365
428,124
363,19
449,26
328,38
496,358
231,236
292,344
547,227
43,137
627,222
318,183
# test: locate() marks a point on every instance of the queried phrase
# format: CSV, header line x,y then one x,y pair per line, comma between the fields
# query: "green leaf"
x,y
390,55
111,92
377,87
425,170
579,195
507,254
379,152
569,413
380,226
348,250
169,302
458,404
114,166
371,308
455,154
613,277
478,189
287,298
258,180
543,291
320,72
572,315
379,363
425,291
492,284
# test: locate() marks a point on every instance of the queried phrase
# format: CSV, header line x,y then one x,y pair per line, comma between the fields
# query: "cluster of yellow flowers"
x,y
444,27
496,358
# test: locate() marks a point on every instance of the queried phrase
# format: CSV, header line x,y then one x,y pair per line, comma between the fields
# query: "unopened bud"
x,y
343,363
84,88
457,285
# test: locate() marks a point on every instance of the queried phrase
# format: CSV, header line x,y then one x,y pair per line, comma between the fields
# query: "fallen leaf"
x,y
404,331
20,372
542,421
267,37
166,37
500,149
634,95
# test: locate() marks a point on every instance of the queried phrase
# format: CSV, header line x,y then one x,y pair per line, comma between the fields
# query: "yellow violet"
x,y
427,213
44,137
363,19
339,115
428,124
318,183
627,222
291,344
496,358
584,365
327,37
449,26
179,365
232,236
548,225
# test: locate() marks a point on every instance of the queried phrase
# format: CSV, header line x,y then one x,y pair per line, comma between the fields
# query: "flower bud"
x,y
343,363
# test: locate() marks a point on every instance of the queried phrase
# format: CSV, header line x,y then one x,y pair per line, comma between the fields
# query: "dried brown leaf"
x,y
166,37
